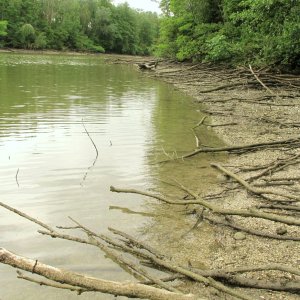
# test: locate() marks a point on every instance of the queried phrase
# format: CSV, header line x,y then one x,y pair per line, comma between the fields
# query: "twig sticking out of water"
x,y
17,177
97,153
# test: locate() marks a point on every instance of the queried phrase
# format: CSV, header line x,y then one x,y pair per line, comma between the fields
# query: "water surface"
x,y
48,162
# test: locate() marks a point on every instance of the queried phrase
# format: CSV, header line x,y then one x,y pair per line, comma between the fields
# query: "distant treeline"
x,y
263,32
84,25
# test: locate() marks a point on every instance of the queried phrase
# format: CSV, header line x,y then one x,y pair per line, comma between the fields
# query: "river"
x,y
55,110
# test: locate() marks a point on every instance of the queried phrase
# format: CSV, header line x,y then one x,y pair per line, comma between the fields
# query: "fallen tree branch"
x,y
229,223
89,283
230,275
262,84
20,213
257,146
279,206
126,262
53,284
254,190
277,166
197,277
249,213
222,87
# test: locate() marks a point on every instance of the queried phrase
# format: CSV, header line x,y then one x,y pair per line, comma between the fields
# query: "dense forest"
x,y
84,25
263,32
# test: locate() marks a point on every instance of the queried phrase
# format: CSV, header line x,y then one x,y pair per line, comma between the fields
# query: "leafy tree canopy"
x,y
84,25
263,32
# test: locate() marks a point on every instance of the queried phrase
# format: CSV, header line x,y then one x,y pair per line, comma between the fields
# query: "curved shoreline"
x,y
242,111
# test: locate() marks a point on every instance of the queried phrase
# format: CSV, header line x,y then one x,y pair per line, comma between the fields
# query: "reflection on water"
x,y
47,158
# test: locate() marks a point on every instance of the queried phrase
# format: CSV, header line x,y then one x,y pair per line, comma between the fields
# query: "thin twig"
x,y
97,153
257,191
53,284
20,213
256,77
17,177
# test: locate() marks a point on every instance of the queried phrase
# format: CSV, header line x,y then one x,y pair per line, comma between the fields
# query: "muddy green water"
x,y
48,167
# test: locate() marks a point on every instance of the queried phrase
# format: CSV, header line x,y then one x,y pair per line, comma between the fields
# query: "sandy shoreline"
x,y
242,111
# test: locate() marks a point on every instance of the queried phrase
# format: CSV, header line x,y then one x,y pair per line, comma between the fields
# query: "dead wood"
x,y
17,181
81,283
97,153
257,191
222,87
249,213
262,84
221,125
280,206
167,264
95,284
53,284
25,216
257,146
230,275
87,282
229,223
276,166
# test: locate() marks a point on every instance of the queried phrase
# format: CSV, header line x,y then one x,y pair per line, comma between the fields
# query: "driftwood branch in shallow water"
x,y
52,284
250,147
94,284
88,283
143,253
229,275
248,213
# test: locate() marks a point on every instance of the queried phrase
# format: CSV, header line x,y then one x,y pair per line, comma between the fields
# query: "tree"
x,y
27,36
84,25
3,28
233,31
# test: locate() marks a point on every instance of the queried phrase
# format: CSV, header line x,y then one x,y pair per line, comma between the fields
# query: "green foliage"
x,y
27,36
263,32
40,41
83,43
84,25
3,28
218,49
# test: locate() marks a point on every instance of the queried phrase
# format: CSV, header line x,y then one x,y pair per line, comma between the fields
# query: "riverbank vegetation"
x,y
93,25
261,32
